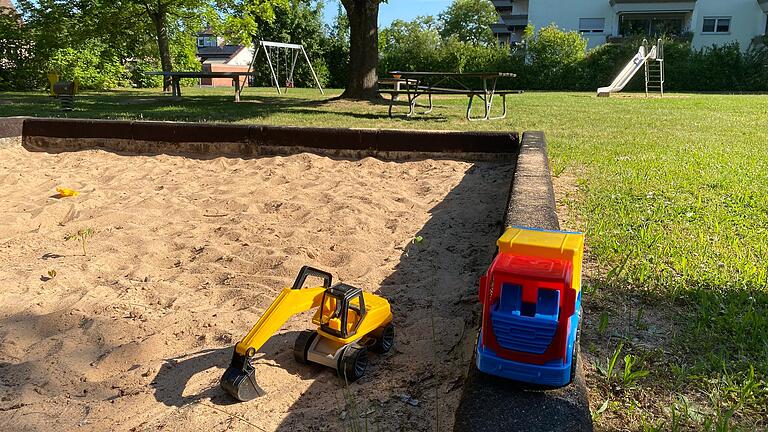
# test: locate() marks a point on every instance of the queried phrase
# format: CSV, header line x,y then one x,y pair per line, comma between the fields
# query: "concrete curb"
x,y
11,127
493,404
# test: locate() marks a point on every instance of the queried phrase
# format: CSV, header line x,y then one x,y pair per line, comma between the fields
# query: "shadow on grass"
x,y
196,107
707,344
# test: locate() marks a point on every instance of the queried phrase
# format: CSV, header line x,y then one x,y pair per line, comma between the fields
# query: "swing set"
x,y
283,55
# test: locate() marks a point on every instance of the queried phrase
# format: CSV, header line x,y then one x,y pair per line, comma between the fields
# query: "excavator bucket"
x,y
239,380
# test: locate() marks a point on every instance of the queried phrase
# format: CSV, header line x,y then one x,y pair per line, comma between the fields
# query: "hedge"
x,y
553,59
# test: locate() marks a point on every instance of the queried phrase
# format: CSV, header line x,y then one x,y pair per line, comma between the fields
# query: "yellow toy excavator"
x,y
350,322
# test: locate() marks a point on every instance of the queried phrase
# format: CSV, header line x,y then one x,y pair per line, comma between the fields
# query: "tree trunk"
x,y
159,18
363,49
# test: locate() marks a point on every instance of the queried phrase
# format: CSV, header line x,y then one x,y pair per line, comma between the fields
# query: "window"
x,y
592,25
717,25
206,41
651,25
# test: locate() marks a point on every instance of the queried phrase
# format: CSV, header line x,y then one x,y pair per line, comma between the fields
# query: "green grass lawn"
x,y
673,196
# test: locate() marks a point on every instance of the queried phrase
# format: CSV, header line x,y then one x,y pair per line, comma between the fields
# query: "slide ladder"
x,y
654,72
652,61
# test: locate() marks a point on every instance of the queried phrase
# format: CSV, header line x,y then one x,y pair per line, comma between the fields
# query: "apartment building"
x,y
710,22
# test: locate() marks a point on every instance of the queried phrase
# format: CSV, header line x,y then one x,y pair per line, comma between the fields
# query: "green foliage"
x,y
410,45
300,21
93,65
608,368
469,21
418,45
137,74
630,376
19,64
82,237
337,50
239,21
184,54
553,56
553,59
756,66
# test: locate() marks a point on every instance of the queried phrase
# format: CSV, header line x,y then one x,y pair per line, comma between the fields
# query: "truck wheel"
x,y
385,340
302,344
575,356
353,363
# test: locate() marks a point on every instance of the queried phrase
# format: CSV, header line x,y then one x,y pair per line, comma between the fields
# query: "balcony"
x,y
518,21
763,5
653,6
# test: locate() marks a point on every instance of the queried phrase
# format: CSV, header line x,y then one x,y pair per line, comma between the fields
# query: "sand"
x,y
187,254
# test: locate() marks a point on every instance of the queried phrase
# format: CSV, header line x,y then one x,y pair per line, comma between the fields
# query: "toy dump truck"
x,y
531,299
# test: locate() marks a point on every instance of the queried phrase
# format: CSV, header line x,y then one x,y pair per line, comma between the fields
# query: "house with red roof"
x,y
217,56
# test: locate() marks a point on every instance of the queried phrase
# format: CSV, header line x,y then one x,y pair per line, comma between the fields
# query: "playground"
x,y
673,206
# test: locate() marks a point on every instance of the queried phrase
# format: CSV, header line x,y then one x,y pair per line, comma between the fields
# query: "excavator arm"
x,y
239,379
289,303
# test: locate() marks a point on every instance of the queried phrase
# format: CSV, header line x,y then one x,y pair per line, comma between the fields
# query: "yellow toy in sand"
x,y
67,192
350,322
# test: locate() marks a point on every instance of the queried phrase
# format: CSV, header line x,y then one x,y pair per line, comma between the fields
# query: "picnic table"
x,y
418,84
176,78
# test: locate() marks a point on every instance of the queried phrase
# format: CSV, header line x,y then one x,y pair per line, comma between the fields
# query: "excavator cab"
x,y
342,311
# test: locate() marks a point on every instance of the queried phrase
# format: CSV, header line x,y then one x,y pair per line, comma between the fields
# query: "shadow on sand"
x,y
432,292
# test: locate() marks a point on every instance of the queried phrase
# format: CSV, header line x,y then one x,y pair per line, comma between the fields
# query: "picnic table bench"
x,y
418,84
176,78
396,84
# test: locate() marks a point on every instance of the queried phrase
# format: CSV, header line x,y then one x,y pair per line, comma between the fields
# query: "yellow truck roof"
x,y
545,244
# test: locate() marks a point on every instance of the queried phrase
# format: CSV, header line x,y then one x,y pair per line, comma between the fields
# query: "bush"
x,y
756,66
92,65
553,57
601,65
715,68
137,72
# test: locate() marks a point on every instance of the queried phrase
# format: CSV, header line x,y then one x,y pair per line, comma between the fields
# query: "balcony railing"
x,y
621,6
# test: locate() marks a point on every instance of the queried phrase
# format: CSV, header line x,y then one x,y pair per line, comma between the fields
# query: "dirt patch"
x,y
186,256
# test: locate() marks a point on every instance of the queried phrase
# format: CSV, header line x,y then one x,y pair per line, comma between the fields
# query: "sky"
x,y
396,9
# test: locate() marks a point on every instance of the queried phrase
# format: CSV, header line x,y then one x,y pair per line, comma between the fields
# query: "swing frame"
x,y
295,49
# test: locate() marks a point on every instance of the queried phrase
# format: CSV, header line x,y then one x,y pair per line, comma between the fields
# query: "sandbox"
x,y
193,241
188,253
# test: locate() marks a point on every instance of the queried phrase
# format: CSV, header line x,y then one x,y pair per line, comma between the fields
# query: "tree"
x,y
18,62
241,21
363,48
470,21
160,12
337,49
411,45
104,33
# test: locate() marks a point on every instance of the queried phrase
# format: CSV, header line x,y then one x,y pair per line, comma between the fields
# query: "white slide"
x,y
628,72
